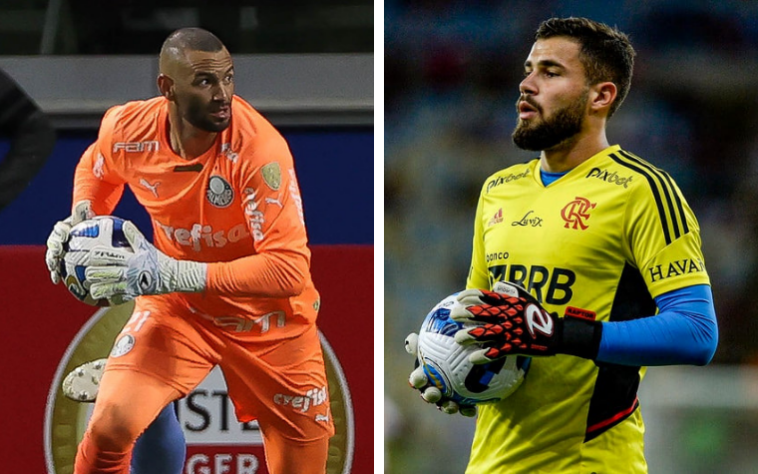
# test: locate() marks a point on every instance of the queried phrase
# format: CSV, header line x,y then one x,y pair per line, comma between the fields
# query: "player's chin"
x,y
216,124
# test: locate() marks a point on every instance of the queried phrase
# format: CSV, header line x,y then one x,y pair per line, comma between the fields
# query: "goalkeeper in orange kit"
x,y
227,280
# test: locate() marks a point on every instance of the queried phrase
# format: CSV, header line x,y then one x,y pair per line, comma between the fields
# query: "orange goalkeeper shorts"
x,y
281,383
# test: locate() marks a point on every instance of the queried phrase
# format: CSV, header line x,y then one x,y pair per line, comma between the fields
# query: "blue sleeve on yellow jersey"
x,y
683,332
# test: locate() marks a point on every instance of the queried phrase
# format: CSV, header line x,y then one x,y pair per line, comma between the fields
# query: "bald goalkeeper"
x,y
227,279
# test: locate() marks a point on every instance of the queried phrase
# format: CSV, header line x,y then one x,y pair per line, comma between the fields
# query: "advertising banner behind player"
x,y
216,442
53,333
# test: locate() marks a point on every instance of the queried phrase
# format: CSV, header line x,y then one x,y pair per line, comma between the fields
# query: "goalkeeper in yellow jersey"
x,y
605,256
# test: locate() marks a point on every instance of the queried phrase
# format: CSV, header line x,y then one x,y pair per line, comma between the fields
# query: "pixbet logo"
x,y
506,179
613,178
577,212
313,397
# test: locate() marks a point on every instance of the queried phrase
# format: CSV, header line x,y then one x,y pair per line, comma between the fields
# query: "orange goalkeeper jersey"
x,y
238,206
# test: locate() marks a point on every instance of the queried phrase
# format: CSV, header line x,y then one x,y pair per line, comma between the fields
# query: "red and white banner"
x,y
47,332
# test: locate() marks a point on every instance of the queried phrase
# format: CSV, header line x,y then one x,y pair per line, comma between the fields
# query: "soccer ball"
x,y
447,367
100,231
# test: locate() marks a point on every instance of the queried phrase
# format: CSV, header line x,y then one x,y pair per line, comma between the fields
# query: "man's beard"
x,y
544,135
196,113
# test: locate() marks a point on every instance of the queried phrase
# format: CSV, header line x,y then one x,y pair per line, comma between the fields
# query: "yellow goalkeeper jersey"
x,y
600,242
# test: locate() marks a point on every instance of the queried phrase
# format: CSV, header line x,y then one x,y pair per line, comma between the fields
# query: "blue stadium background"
x,y
334,167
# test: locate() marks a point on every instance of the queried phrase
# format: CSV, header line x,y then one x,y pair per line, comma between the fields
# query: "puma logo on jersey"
x,y
152,187
226,150
137,147
274,201
324,418
538,321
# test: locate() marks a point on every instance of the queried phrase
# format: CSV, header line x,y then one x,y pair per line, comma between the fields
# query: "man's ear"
x,y
602,96
166,86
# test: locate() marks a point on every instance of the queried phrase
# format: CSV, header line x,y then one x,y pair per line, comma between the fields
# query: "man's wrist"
x,y
579,337
186,276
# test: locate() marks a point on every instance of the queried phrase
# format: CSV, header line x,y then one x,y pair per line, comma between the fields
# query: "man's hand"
x,y
430,393
121,275
59,237
509,320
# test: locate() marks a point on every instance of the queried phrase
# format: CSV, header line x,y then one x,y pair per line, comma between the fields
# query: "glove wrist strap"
x,y
186,276
580,337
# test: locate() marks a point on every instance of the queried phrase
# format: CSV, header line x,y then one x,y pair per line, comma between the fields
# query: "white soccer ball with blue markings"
x,y
446,363
100,231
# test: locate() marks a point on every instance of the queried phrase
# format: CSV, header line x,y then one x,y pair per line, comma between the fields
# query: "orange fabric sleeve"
x,y
90,185
272,275
96,178
273,210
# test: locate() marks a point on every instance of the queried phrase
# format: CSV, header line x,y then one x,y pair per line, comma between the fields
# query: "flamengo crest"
x,y
577,212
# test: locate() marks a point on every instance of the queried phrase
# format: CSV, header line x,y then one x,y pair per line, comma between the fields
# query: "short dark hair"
x,y
193,39
606,53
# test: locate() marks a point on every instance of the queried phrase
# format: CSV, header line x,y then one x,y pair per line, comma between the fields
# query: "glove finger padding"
x,y
482,306
506,321
135,238
487,354
54,253
114,291
112,274
429,393
411,344
60,235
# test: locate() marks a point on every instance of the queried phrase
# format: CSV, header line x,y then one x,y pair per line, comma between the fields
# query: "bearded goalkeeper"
x,y
605,270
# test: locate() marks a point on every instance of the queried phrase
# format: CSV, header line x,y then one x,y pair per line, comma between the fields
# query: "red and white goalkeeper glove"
x,y
509,320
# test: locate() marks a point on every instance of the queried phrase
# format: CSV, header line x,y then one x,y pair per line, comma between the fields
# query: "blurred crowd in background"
x,y
452,70
85,27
